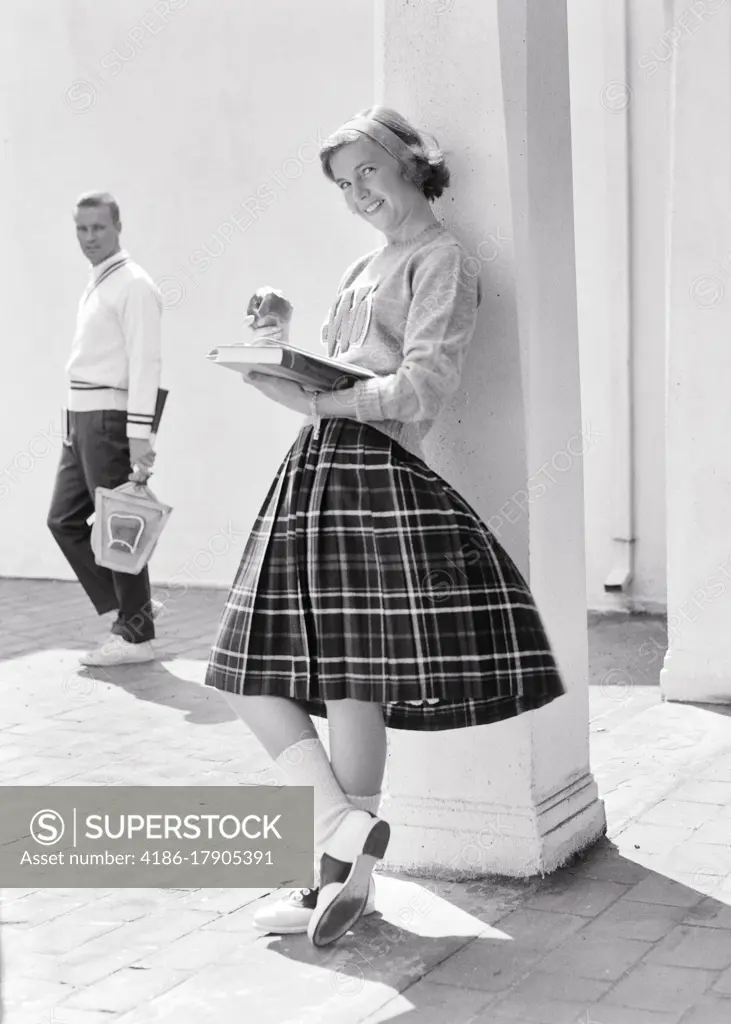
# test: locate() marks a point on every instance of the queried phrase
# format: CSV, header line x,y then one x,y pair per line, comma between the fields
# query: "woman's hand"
x,y
286,392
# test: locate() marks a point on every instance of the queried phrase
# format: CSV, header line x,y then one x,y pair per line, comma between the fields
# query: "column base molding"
x,y
461,839
691,678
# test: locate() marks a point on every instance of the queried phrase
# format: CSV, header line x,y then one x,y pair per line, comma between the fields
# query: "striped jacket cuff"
x,y
139,425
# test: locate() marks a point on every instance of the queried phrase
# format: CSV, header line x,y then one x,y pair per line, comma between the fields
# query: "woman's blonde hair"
x,y
426,168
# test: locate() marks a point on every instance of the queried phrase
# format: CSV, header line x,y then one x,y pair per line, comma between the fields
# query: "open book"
x,y
313,372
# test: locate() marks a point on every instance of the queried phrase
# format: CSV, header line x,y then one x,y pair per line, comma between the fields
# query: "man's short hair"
x,y
100,199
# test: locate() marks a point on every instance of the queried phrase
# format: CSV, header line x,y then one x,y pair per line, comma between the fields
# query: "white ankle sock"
x,y
361,803
365,803
305,763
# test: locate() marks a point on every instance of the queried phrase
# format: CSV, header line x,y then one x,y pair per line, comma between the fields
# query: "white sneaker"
x,y
118,651
291,915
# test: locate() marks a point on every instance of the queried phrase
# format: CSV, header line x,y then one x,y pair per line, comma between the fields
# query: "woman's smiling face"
x,y
374,186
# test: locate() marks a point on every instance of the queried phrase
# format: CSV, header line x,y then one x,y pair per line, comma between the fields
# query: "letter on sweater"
x,y
440,321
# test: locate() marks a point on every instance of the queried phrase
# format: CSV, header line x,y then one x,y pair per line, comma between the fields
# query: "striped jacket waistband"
x,y
85,397
83,385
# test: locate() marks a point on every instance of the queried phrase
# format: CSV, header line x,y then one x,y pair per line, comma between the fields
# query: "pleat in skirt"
x,y
367,576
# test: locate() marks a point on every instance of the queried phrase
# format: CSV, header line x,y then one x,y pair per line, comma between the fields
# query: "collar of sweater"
x,y
99,269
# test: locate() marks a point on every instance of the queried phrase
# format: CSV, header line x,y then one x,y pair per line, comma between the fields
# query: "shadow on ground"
x,y
56,617
601,941
163,686
569,952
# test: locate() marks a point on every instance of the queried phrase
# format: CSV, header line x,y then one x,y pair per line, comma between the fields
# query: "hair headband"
x,y
383,136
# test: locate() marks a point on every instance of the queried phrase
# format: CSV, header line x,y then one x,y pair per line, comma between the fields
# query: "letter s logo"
x,y
47,827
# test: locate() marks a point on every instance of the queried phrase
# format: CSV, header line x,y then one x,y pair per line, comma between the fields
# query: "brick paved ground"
x,y
639,932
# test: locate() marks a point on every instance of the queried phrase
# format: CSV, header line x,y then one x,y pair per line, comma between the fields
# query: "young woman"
x,y
369,591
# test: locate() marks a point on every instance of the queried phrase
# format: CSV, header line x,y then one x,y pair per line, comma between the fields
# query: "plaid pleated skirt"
x,y
367,576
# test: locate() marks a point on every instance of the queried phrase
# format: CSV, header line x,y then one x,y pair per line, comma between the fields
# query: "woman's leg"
x,y
357,748
286,732
356,731
348,840
277,722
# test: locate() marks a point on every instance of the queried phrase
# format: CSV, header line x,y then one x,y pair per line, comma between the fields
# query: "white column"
x,y
698,404
490,79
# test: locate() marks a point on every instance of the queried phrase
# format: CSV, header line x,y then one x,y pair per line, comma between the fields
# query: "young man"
x,y
114,372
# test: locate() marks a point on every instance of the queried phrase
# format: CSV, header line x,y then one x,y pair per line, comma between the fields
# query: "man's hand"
x,y
141,453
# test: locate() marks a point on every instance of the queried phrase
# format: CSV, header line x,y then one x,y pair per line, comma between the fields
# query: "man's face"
x,y
97,233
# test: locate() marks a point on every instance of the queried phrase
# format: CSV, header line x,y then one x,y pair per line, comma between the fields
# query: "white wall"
x,y
649,180
586,47
594,93
187,111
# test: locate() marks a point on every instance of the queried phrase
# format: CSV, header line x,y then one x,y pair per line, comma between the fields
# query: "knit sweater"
x,y
406,311
115,358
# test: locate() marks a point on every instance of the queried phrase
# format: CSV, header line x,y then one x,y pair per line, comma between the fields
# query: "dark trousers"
x,y
96,454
